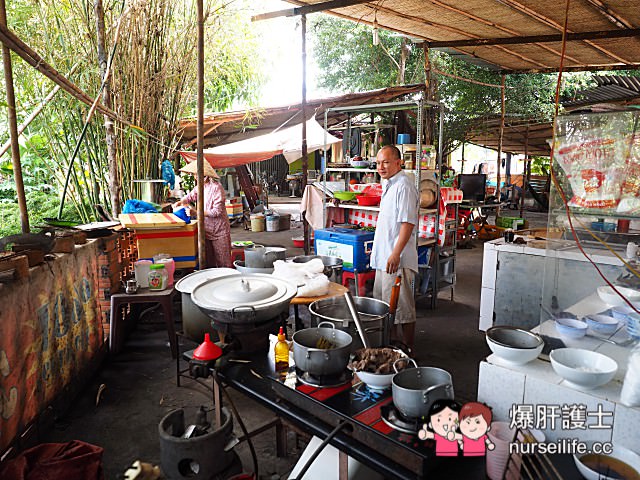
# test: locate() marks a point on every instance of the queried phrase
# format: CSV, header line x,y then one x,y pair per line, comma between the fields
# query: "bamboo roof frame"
x,y
512,36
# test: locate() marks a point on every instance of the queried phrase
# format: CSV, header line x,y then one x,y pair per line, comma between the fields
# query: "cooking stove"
x,y
396,420
324,381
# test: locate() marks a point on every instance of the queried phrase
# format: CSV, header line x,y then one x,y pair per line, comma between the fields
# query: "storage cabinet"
x,y
438,271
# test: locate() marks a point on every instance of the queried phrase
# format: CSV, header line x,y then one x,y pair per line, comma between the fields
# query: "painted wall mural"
x,y
49,330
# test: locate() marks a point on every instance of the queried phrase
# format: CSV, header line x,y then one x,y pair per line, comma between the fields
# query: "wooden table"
x,y
335,290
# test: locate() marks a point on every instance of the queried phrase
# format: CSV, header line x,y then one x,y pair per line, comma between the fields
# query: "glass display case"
x,y
591,270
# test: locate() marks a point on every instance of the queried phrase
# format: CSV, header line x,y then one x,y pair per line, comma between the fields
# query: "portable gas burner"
x,y
396,420
324,381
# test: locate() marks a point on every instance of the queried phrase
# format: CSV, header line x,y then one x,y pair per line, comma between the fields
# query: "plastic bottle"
x,y
282,351
157,277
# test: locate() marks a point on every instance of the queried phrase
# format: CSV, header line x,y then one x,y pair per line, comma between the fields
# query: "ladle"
x,y
356,318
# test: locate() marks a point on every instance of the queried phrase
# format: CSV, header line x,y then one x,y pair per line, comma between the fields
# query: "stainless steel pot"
x,y
271,254
254,256
415,389
321,361
195,323
151,191
373,313
250,298
332,266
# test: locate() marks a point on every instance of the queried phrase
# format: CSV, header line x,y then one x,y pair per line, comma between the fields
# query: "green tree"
x,y
153,78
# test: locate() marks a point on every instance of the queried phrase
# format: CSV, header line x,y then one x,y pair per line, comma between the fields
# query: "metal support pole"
x,y
305,159
13,127
202,256
525,174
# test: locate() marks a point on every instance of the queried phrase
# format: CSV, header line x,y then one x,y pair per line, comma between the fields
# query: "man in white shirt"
x,y
394,247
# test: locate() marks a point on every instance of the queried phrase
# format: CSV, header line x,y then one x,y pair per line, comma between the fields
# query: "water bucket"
x,y
273,223
403,138
285,222
257,223
141,271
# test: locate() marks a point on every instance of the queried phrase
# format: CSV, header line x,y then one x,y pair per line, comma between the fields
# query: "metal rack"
x,y
436,282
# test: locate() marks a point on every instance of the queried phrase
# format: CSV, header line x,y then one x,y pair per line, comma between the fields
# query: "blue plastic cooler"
x,y
352,246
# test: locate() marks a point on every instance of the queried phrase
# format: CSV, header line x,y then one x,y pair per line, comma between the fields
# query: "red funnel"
x,y
207,350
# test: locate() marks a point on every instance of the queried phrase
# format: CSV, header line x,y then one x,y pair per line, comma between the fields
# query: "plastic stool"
x,y
362,280
237,254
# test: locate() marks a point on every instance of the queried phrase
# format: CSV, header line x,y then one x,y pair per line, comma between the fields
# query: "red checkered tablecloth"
x,y
451,195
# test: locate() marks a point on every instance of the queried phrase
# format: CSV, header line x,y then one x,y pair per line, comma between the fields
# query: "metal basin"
x,y
332,266
373,313
321,361
415,389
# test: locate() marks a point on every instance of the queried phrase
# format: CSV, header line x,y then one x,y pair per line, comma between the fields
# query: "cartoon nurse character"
x,y
441,426
475,422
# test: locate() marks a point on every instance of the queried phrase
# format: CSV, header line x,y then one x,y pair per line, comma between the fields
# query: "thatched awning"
x,y
513,35
518,133
227,127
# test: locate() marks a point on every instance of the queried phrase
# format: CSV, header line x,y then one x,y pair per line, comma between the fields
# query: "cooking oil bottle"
x,y
282,352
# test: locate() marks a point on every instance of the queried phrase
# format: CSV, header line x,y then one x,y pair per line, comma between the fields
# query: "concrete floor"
x,y
141,387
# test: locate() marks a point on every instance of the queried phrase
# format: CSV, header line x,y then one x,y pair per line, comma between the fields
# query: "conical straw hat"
x,y
193,169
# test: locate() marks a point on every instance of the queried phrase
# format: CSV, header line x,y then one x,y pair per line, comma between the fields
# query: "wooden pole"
x,y
430,119
202,256
13,127
500,136
305,159
115,187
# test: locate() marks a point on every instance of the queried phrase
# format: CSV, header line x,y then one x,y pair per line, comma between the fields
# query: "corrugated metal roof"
x,y
610,88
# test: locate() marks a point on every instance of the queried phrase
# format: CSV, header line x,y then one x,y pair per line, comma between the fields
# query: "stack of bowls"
x,y
633,326
571,327
602,324
610,297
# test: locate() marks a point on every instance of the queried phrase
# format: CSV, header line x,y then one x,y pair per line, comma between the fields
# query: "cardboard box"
x,y
181,243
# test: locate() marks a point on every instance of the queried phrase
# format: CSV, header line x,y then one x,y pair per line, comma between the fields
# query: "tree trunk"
x,y
115,188
404,54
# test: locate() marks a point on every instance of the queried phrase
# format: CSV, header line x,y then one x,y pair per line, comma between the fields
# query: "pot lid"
x,y
252,290
191,281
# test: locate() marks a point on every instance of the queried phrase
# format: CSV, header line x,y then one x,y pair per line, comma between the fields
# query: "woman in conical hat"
x,y
216,223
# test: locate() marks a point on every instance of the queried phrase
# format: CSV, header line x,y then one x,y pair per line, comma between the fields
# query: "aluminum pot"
x,y
321,361
415,389
152,191
332,266
195,323
373,313
248,298
254,256
271,254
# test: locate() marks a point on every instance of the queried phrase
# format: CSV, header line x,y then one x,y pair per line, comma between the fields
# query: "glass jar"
x,y
157,277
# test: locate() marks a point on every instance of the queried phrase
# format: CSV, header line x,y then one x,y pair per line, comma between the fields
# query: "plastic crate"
x,y
352,246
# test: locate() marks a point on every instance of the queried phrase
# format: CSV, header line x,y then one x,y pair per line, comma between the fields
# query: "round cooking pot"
x,y
332,266
415,389
374,315
194,322
249,298
321,361
271,254
254,256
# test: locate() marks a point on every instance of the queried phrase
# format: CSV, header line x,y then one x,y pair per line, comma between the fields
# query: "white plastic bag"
x,y
307,276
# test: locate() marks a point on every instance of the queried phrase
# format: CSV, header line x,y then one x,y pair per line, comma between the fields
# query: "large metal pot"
x,y
332,266
254,256
321,361
415,389
259,256
151,191
195,323
249,298
373,313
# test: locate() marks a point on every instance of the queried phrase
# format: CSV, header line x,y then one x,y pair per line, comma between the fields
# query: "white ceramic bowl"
x,y
608,296
571,327
625,455
376,381
583,368
603,324
514,345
